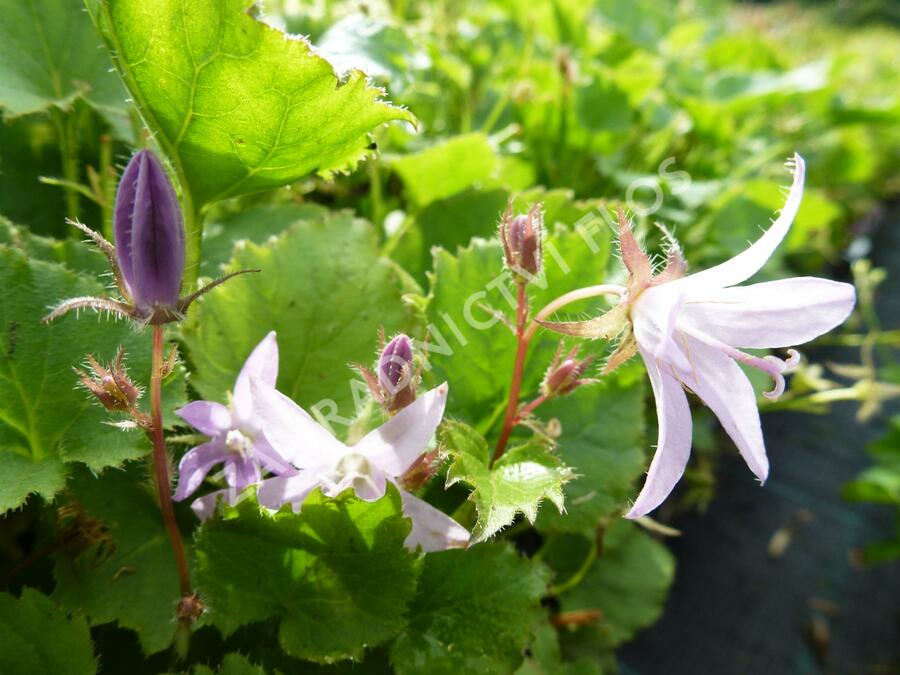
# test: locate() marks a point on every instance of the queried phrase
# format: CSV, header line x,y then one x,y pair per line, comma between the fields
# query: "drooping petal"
x,y
291,431
205,507
262,364
723,387
207,417
747,263
771,314
273,493
194,466
674,446
432,529
240,471
397,443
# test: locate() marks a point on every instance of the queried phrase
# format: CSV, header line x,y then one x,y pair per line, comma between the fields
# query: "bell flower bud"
x,y
149,234
396,373
565,373
111,386
521,239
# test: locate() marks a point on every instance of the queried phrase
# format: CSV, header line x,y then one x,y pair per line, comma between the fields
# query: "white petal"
x,y
654,317
674,445
722,386
273,493
207,417
291,431
747,263
205,507
397,443
432,529
772,314
261,364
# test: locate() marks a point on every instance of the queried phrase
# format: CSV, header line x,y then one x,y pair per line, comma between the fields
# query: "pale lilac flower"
x,y
236,438
690,330
382,456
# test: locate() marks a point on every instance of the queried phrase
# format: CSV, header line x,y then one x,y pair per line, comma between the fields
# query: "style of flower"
x,y
147,261
690,330
382,456
235,431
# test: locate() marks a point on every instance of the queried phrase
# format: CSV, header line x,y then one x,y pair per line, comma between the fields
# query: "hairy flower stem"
x,y
161,463
529,408
521,351
567,299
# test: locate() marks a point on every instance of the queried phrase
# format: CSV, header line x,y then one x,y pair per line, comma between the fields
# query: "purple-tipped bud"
x,y
112,386
149,234
396,374
395,364
521,239
565,374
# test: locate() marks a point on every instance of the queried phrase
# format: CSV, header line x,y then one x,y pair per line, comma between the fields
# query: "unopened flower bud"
x,y
396,373
521,239
422,470
565,373
149,233
111,385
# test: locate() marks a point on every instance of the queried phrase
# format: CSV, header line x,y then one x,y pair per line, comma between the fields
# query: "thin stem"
x,y
568,298
107,174
576,578
516,385
67,138
193,240
528,409
161,464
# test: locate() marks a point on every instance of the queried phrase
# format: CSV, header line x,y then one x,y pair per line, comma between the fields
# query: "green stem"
x,y
67,138
107,184
376,192
193,239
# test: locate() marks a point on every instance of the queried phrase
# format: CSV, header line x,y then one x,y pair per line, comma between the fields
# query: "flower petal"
x,y
241,471
261,364
674,446
771,314
291,431
273,493
194,466
208,417
654,317
432,529
205,507
397,443
721,384
269,459
747,263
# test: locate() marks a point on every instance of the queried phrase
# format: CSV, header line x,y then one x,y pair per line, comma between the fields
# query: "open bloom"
x,y
382,456
236,438
690,330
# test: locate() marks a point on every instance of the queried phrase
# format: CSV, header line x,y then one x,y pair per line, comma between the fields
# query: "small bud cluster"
x,y
112,386
521,238
565,373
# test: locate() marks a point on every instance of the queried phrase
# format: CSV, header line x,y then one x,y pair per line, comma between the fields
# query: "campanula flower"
x,y
690,330
235,433
382,456
393,385
147,261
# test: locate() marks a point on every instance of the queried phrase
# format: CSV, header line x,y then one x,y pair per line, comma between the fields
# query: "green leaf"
x,y
474,612
232,664
38,637
336,576
544,658
47,421
73,253
602,429
49,57
237,105
517,483
130,576
447,168
627,584
325,290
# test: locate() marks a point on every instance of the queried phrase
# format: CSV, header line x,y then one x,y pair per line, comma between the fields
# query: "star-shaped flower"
x,y
690,330
235,431
382,456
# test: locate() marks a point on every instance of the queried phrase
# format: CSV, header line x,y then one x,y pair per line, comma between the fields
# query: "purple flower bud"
x,y
149,234
565,373
395,364
521,239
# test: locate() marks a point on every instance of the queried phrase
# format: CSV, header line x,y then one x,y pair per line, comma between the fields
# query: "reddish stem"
x,y
515,387
528,409
161,463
